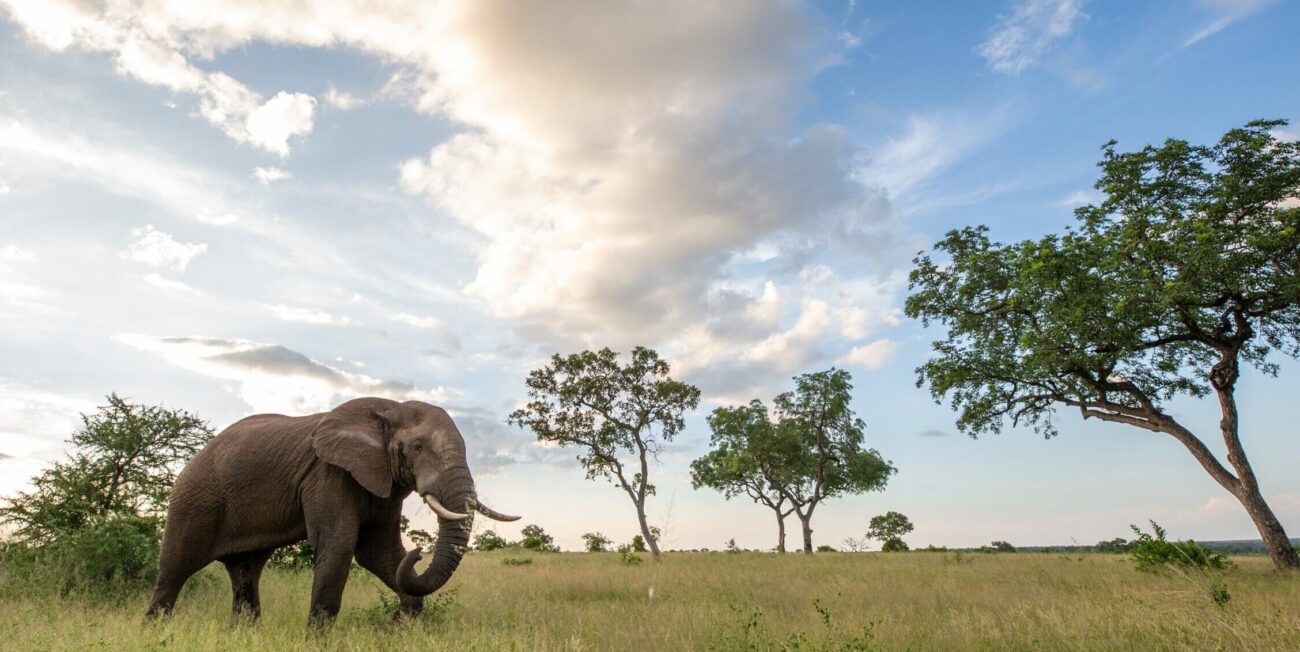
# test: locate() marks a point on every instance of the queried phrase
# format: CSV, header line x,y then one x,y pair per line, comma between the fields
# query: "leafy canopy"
x,y
890,525
591,401
125,458
750,454
1189,263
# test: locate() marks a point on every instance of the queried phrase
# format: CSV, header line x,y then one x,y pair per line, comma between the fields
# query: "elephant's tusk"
x,y
492,513
442,511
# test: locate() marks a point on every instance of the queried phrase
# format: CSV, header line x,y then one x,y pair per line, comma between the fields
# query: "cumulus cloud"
x,y
157,249
616,166
12,253
307,315
273,378
150,44
1020,39
873,355
341,100
269,175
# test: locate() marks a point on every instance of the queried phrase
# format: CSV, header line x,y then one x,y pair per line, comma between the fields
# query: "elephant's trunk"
x,y
453,538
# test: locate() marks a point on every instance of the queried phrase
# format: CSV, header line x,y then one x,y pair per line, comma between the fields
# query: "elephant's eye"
x,y
417,446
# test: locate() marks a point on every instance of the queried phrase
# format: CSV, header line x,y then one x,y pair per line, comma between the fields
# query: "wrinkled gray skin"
x,y
337,479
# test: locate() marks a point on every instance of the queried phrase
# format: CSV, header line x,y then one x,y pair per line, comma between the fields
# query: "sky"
x,y
247,207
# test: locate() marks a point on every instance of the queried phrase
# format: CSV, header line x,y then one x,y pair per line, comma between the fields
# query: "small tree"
x,y
535,538
750,456
1188,270
596,542
105,503
890,528
489,540
638,543
607,410
830,459
1001,546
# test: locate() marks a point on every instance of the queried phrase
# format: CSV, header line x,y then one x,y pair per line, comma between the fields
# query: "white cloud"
x,y
272,124
12,253
1020,39
272,378
873,355
157,249
417,321
1225,12
149,44
307,315
4,189
169,284
1081,198
930,144
269,175
217,219
341,100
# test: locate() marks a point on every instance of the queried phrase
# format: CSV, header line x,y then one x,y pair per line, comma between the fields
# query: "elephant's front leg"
x,y
334,544
380,551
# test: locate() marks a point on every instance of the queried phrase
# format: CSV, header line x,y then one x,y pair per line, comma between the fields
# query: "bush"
x,y
516,561
628,557
489,540
535,538
638,544
894,545
1150,551
596,542
826,548
296,555
1116,545
1002,546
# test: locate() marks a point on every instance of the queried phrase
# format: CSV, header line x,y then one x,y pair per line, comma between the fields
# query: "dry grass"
x,y
918,601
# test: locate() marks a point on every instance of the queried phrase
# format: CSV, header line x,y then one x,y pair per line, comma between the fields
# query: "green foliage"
x,y
628,557
94,520
596,542
890,525
826,548
731,546
894,545
605,409
1001,546
1116,545
638,543
516,561
1150,551
294,555
489,540
535,538
1191,257
125,458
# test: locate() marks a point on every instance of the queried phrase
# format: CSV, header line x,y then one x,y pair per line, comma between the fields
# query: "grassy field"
x,y
918,601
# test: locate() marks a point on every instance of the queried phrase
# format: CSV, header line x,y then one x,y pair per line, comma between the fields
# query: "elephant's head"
x,y
412,446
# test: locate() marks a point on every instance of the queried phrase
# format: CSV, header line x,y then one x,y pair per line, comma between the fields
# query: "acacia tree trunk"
x,y
1270,529
645,530
780,532
806,521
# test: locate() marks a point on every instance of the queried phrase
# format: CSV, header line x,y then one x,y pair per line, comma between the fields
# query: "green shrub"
x,y
629,557
894,545
826,548
296,555
596,542
516,561
489,540
638,544
1150,551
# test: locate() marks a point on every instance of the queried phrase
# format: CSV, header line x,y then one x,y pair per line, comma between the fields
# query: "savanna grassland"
x,y
918,601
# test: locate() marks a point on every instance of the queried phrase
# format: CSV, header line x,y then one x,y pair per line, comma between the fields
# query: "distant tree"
x,y
1002,546
638,543
535,538
596,542
854,544
1118,544
749,456
606,409
489,540
1186,271
890,528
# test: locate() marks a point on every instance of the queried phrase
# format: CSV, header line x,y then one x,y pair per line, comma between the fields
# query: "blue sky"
x,y
244,208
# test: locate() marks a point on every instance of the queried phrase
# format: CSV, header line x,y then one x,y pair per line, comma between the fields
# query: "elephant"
x,y
338,480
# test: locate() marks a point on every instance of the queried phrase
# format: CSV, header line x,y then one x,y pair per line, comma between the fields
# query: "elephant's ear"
x,y
354,440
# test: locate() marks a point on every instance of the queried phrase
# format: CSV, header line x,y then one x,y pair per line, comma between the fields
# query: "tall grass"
x,y
709,601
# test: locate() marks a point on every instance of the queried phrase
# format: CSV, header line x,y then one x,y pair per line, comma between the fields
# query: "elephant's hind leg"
x,y
245,571
174,569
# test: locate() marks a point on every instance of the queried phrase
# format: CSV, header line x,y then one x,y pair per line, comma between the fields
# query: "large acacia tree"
x,y
1187,272
610,411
